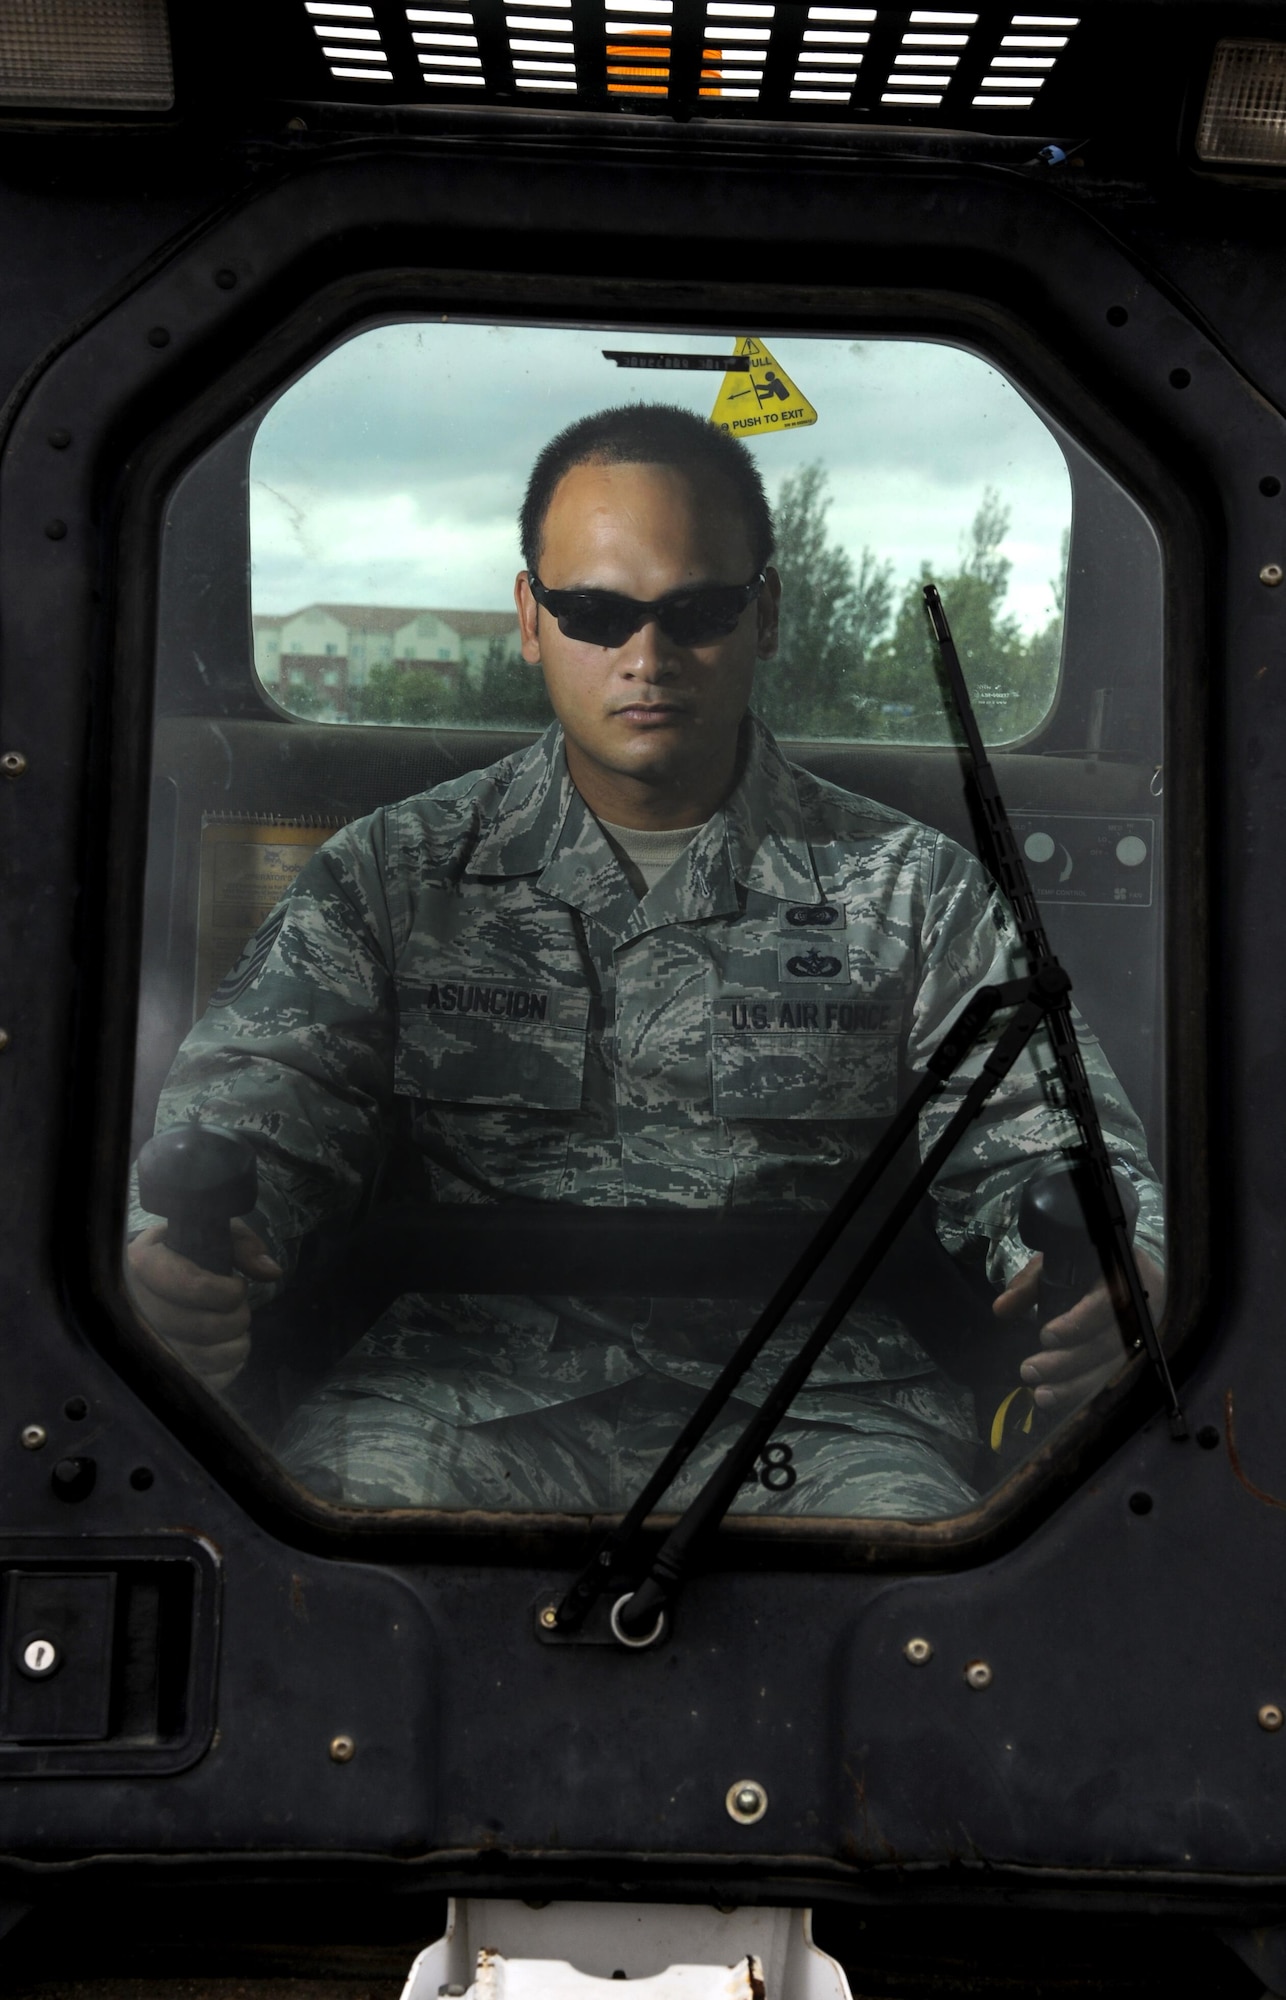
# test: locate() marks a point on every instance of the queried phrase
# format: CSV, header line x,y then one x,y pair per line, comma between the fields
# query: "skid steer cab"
x,y
640,765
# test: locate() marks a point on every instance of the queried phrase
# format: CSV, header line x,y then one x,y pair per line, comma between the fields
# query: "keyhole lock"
x,y
39,1658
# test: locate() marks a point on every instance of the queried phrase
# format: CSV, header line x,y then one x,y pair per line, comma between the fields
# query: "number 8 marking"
x,y
777,1469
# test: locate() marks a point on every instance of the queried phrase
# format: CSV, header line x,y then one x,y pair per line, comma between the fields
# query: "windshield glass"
x,y
530,966
382,493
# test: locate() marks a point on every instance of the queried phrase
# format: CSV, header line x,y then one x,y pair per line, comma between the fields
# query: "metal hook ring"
x,y
622,1636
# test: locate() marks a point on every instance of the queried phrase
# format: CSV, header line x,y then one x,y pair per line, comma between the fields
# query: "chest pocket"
x,y
492,1042
775,1055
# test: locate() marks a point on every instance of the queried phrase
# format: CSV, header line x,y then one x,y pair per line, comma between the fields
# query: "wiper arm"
x,y
1043,997
951,1051
644,1611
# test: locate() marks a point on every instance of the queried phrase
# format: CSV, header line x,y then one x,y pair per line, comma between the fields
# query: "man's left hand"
x,y
1082,1348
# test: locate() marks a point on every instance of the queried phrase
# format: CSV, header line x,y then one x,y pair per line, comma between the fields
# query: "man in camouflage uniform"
x,y
645,963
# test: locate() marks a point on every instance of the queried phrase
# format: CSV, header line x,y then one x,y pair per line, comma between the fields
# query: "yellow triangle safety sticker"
x,y
761,398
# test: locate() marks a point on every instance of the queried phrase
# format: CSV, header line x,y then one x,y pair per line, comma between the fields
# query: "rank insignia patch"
x,y
250,964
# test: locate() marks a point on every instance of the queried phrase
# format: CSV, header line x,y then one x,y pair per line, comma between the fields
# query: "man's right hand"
x,y
205,1318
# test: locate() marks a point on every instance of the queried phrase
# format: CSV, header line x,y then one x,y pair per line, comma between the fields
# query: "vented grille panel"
x,y
758,58
638,49
1027,53
350,41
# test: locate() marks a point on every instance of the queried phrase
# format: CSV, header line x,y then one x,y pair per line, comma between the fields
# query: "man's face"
x,y
651,711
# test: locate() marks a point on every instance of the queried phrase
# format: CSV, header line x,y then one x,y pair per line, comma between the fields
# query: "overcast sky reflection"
x,y
392,472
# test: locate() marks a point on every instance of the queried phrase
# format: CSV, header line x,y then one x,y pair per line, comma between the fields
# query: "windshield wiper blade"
x,y
1002,857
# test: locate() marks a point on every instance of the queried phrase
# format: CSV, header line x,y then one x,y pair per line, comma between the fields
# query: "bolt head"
x,y
1271,1717
12,763
34,1437
978,1674
1271,574
918,1651
342,1749
549,1618
747,1801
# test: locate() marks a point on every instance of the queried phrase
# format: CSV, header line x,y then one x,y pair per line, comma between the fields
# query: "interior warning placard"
x,y
765,399
246,868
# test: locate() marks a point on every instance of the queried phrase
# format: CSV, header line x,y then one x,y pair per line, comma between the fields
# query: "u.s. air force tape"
x,y
761,1013
251,962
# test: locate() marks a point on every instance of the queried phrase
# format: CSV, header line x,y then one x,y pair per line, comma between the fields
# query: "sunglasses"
x,y
690,617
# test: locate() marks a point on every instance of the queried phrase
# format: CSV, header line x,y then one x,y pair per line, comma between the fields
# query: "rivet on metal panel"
x,y
1179,378
918,1651
1271,1717
13,763
1117,316
56,530
979,1674
141,1478
1271,574
1208,1438
34,1437
342,1749
60,439
1270,486
225,280
4,1038
746,1801
159,336
549,1617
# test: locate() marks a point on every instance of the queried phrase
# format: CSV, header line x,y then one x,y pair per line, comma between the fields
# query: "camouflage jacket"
x,y
468,975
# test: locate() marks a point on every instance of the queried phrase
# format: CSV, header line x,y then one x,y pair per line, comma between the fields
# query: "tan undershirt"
x,y
645,856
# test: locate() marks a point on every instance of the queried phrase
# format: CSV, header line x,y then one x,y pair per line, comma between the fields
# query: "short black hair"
x,y
648,434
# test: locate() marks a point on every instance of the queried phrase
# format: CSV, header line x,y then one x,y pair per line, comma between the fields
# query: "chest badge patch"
x,y
813,964
814,917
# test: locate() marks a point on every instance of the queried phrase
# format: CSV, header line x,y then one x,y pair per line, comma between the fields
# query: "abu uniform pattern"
x,y
462,999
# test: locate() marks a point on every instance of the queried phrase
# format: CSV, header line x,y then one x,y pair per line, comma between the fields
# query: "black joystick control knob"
x,y
1052,1218
198,1178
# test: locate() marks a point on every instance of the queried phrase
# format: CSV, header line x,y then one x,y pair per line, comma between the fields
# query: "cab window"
x,y
481,1105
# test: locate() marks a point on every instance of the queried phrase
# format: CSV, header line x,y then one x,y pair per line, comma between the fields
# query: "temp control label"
x,y
1085,858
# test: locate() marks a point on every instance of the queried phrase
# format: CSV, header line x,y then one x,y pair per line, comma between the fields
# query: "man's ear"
x,y
768,606
528,614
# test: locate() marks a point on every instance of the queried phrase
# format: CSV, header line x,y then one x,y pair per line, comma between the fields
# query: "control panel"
x,y
1087,858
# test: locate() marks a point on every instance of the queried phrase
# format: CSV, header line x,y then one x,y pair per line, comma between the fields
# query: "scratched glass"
x,y
529,1126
